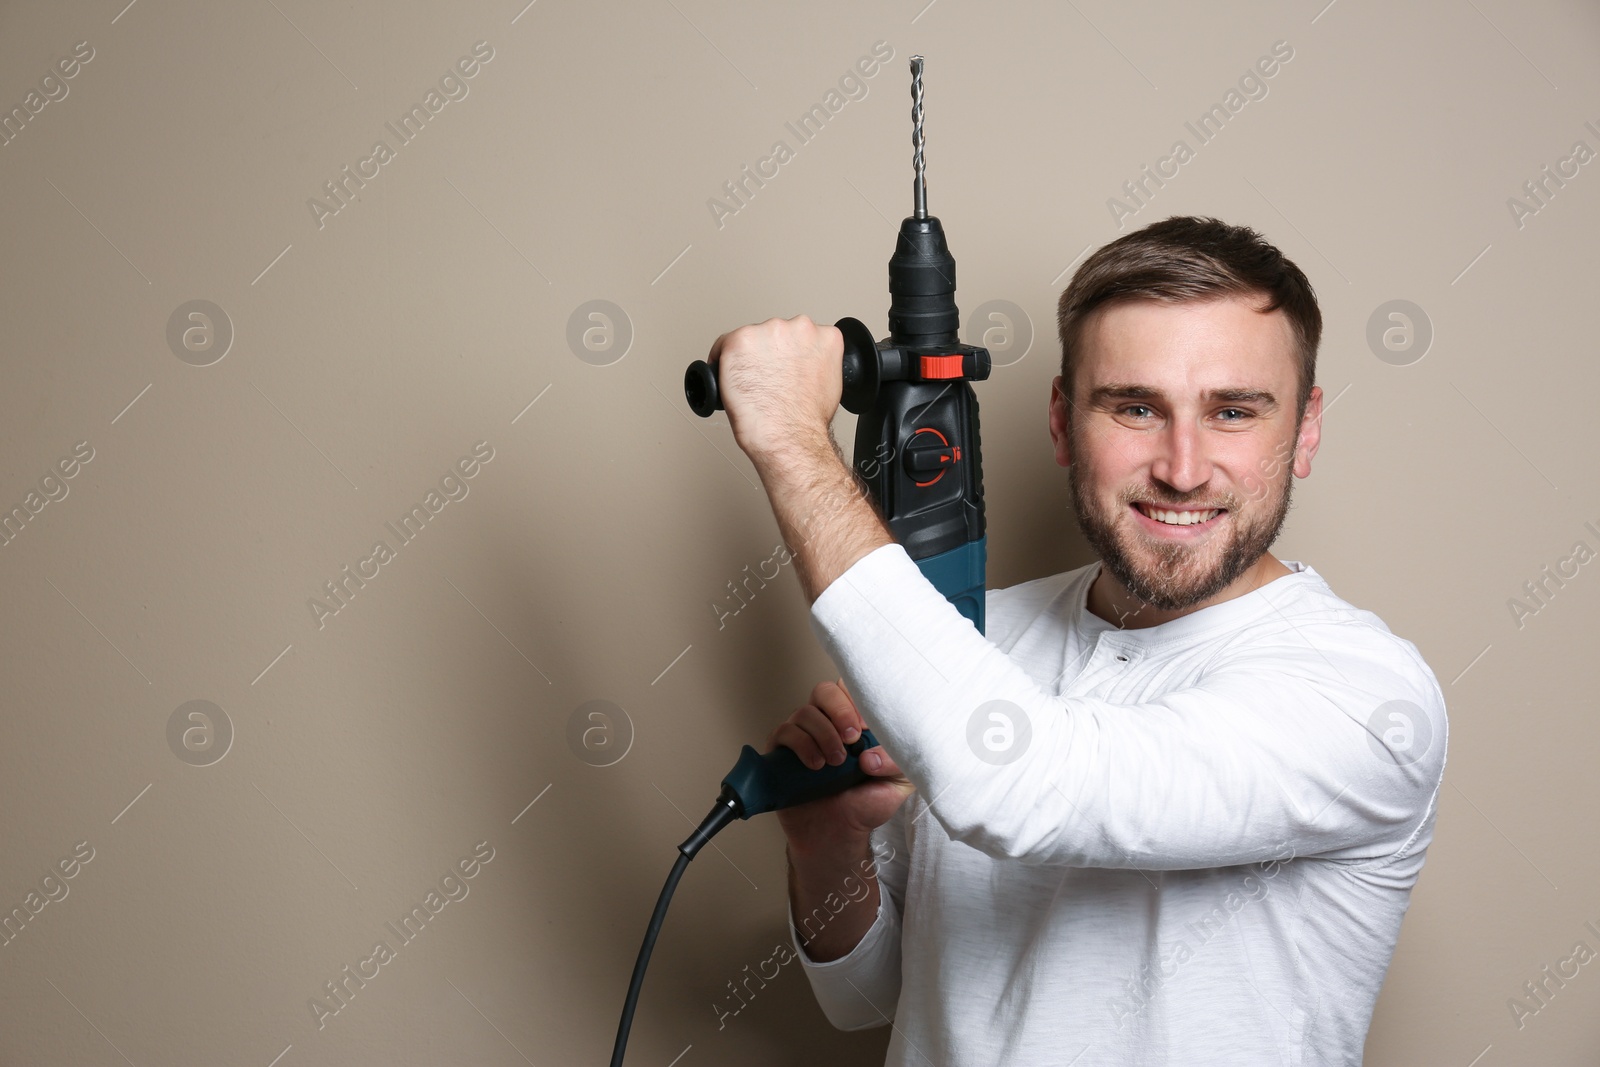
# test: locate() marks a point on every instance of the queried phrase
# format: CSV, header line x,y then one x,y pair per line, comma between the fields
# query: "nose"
x,y
1181,461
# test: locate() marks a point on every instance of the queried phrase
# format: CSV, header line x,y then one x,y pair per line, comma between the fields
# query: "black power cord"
x,y
726,810
758,783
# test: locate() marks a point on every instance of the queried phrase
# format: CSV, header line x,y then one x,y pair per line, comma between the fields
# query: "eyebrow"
x,y
1129,391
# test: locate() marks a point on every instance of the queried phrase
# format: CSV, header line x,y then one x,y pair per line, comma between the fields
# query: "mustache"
x,y
1158,499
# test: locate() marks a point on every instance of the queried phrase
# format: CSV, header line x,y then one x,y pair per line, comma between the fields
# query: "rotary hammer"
x,y
917,452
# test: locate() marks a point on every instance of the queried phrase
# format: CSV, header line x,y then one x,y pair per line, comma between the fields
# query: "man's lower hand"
x,y
818,733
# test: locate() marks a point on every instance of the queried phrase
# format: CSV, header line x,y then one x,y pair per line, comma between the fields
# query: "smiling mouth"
x,y
1177,517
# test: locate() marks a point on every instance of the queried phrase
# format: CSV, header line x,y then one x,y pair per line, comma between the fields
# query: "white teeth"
x,y
1179,518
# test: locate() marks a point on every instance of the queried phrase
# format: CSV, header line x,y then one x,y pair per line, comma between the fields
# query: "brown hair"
x,y
1185,258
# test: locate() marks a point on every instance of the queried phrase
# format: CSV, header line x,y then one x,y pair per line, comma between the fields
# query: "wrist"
x,y
837,849
824,511
796,452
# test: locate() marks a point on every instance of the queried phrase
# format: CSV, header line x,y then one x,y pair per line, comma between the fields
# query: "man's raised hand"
x,y
780,382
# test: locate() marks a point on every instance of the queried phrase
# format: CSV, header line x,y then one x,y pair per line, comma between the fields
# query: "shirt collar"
x,y
1228,615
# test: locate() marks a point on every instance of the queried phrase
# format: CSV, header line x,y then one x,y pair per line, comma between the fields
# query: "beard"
x,y
1170,575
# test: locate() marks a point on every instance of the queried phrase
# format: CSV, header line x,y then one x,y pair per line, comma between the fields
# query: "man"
x,y
1171,807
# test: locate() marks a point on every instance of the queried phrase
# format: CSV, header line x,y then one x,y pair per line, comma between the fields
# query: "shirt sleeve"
x,y
1314,737
861,989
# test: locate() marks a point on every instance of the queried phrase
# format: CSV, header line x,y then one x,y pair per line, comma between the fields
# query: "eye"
x,y
1132,407
1243,414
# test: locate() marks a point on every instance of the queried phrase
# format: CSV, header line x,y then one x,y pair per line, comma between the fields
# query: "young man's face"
x,y
1185,408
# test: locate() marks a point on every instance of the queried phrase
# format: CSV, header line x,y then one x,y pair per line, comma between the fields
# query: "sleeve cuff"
x,y
860,989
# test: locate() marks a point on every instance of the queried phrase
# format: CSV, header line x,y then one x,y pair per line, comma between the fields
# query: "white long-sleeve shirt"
x,y
1199,852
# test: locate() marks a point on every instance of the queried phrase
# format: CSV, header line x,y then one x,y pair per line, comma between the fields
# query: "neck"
x,y
1110,599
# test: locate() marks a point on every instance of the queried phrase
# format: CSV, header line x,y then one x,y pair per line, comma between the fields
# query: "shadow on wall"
x,y
1033,532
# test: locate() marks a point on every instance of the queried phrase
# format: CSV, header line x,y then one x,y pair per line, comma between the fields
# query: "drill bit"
x,y
920,188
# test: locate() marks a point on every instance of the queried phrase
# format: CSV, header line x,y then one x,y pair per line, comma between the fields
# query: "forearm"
x,y
824,514
831,913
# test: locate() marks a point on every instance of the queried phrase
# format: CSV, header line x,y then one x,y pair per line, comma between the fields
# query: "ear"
x,y
1310,434
1058,422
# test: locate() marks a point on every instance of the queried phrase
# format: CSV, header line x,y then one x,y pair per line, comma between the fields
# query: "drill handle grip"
x,y
862,374
777,779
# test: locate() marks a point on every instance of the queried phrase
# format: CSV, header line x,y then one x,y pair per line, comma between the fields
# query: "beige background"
x,y
371,754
